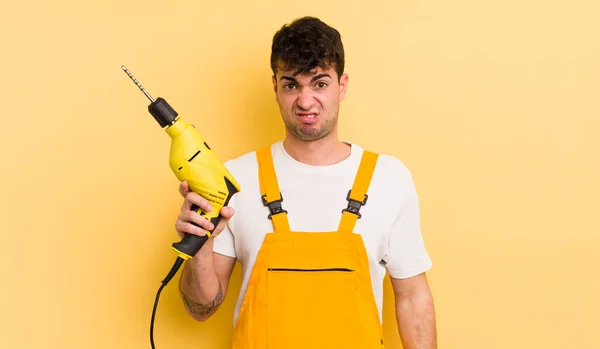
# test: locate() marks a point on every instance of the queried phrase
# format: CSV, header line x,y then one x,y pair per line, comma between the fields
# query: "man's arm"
x,y
204,279
415,312
203,283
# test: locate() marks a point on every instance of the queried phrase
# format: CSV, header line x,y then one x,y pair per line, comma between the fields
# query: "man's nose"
x,y
305,99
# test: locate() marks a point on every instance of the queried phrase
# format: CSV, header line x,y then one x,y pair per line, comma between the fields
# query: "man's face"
x,y
309,103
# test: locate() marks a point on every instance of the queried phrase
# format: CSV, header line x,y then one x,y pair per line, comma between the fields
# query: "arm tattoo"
x,y
203,309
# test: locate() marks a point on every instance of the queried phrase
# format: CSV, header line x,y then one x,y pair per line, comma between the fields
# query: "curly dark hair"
x,y
305,44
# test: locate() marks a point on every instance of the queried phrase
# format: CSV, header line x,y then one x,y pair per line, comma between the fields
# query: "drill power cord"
x,y
178,262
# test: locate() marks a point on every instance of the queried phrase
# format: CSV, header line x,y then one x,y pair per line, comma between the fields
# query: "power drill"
x,y
192,160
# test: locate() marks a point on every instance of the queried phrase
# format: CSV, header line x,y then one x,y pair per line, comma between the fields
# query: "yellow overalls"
x,y
310,290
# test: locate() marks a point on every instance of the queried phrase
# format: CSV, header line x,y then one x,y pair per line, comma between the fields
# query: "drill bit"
x,y
137,83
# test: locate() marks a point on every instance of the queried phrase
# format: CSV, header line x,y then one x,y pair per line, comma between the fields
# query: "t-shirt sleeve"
x,y
224,243
406,255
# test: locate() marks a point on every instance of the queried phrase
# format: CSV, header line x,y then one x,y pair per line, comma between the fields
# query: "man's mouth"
x,y
308,118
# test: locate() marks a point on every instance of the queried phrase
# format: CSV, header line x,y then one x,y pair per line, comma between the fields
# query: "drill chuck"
x,y
162,112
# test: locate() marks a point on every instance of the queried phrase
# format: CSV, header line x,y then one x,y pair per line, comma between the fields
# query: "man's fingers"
x,y
194,217
193,198
192,222
186,227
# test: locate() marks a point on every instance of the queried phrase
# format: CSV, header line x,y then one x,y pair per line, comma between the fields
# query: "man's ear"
x,y
274,80
343,86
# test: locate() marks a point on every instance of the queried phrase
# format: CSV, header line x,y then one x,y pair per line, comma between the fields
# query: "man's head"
x,y
307,59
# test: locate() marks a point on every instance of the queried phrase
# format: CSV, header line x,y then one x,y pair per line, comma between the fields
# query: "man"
x,y
317,224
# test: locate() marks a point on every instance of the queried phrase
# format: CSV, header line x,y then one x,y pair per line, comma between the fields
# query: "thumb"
x,y
184,188
227,212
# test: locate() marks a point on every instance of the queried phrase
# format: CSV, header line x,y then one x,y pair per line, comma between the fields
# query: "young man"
x,y
317,225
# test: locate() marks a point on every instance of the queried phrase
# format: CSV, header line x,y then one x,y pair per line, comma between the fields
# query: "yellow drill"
x,y
192,160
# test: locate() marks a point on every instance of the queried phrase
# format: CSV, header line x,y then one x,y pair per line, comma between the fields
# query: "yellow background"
x,y
494,106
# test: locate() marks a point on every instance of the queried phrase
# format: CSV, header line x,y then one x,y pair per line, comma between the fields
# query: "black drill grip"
x,y
191,244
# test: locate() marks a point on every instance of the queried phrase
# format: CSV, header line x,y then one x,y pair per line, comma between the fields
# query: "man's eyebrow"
x,y
287,78
316,77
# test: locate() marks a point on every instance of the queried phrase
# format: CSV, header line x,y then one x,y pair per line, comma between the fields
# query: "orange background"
x,y
492,105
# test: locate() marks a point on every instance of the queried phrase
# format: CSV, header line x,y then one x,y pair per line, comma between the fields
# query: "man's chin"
x,y
308,135
306,132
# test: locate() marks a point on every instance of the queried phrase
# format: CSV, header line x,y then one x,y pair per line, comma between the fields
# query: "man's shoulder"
x,y
243,157
248,160
389,164
393,163
243,161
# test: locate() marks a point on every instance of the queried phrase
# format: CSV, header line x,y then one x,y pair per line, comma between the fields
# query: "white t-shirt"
x,y
314,197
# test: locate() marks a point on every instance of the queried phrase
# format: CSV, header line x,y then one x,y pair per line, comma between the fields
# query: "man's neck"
x,y
322,152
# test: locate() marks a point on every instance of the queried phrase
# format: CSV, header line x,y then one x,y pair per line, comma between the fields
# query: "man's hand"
x,y
187,216
415,312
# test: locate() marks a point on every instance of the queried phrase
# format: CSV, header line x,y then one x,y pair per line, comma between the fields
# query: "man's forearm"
x,y
200,289
416,321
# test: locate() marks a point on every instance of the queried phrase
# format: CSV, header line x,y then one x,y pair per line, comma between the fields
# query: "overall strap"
x,y
357,196
269,189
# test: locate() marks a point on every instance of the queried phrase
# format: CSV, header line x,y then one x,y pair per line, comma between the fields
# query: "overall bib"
x,y
310,290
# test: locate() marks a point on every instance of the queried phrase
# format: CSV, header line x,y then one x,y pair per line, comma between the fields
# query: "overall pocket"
x,y
313,308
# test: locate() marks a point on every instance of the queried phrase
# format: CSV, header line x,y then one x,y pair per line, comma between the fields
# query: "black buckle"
x,y
354,205
274,206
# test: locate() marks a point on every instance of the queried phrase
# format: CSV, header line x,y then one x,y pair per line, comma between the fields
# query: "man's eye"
x,y
289,86
321,84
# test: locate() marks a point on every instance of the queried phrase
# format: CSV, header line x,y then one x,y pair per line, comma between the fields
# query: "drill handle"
x,y
191,244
